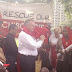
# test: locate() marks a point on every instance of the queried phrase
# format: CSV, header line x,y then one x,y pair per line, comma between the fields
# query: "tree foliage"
x,y
68,5
68,11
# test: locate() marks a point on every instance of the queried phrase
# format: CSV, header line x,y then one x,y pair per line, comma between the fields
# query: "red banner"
x,y
20,24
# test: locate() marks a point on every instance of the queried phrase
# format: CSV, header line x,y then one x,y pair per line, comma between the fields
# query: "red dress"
x,y
53,57
69,41
67,63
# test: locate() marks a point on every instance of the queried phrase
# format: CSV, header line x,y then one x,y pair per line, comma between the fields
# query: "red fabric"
x,y
28,32
1,36
4,31
18,64
53,57
42,31
69,42
69,32
5,65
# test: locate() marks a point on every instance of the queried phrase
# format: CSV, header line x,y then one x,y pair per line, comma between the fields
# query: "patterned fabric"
x,y
69,42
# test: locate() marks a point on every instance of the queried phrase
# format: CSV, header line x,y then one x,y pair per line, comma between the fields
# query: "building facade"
x,y
58,13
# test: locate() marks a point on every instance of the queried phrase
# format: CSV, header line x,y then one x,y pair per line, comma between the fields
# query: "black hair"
x,y
12,26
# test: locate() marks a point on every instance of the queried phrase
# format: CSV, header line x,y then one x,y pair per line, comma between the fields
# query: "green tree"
x,y
68,5
68,11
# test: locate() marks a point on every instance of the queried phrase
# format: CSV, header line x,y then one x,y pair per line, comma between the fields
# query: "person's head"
x,y
13,29
1,23
29,24
44,69
56,32
65,32
60,29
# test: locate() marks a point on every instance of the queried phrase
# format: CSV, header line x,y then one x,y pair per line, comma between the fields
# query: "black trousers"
x,y
12,67
27,63
45,60
67,63
59,67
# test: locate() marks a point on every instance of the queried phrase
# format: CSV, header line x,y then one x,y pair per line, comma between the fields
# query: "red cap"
x,y
5,65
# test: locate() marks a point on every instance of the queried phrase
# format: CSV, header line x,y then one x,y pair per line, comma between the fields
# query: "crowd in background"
x,y
36,43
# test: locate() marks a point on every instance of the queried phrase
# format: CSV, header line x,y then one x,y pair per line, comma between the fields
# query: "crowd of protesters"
x,y
35,42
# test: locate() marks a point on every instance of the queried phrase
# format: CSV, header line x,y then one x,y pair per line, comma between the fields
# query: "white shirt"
x,y
1,63
28,45
53,40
